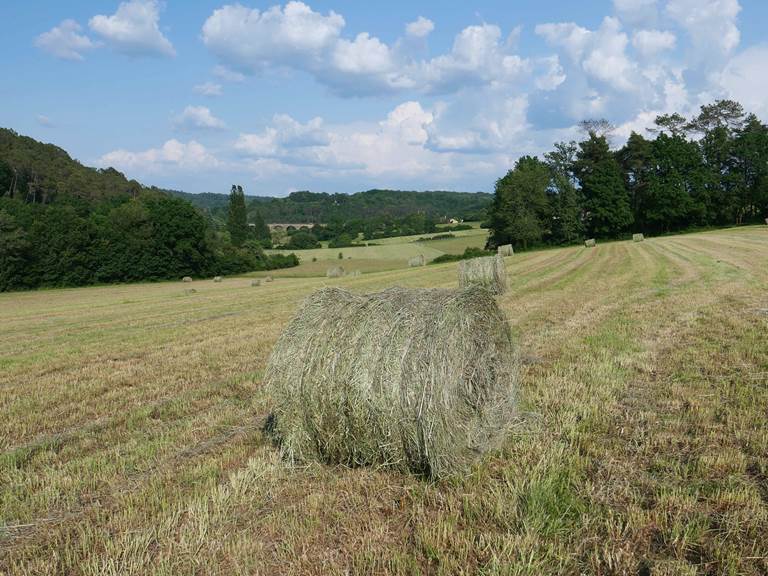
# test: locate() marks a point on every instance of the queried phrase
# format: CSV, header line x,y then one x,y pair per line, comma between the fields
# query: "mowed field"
x,y
386,254
131,443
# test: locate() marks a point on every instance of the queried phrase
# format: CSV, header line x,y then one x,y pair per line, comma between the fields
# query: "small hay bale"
x,y
255,282
268,279
417,261
487,272
355,273
505,250
766,220
189,291
590,243
335,272
420,380
637,237
186,279
217,278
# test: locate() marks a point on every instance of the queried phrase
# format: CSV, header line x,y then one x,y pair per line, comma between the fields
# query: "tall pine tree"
x,y
237,218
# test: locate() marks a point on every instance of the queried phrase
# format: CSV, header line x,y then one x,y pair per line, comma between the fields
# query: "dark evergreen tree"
x,y
606,202
237,217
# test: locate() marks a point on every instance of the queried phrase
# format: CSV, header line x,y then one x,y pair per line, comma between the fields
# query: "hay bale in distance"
x,y
186,279
355,273
487,272
417,261
637,237
766,220
335,272
590,243
217,278
255,282
421,380
268,279
189,291
505,250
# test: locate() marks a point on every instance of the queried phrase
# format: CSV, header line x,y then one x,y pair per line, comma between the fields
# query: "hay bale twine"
x,y
335,272
637,237
417,261
255,282
421,380
217,278
186,279
590,243
505,250
268,279
487,272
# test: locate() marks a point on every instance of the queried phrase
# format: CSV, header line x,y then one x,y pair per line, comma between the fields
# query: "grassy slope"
x,y
130,439
395,251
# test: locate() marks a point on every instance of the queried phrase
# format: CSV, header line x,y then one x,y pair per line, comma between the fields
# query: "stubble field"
x,y
131,443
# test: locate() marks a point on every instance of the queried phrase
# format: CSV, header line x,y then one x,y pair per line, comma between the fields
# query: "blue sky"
x,y
346,96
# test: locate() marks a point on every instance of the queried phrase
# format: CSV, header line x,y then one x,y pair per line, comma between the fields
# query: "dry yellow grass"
x,y
130,441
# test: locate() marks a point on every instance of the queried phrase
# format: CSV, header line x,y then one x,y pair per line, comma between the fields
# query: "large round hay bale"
x,y
487,272
590,243
186,279
255,282
637,237
421,380
335,272
417,261
268,279
217,278
505,250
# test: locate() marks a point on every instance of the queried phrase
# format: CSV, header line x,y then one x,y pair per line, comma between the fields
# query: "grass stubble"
x,y
131,440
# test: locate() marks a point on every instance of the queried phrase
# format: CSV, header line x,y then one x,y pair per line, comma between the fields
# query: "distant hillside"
x,y
372,204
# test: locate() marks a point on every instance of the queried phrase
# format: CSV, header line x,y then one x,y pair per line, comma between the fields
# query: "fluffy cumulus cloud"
x,y
744,79
296,37
197,118
419,28
283,138
711,24
65,41
170,156
650,42
209,89
134,29
637,12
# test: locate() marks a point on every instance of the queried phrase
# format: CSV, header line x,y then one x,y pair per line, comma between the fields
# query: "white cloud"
x,y
134,29
552,75
298,38
284,135
711,24
607,60
249,39
208,89
171,155
65,41
226,74
197,117
566,35
419,28
650,42
744,79
637,12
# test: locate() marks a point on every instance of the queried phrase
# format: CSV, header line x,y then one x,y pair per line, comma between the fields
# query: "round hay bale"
x,y
268,279
505,250
421,380
417,261
255,282
189,291
335,272
355,273
217,278
487,272
590,243
637,237
186,279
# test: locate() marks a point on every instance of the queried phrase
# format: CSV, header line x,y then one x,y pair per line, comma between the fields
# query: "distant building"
x,y
454,221
285,226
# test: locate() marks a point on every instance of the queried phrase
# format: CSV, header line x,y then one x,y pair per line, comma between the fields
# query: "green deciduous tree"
x,y
237,216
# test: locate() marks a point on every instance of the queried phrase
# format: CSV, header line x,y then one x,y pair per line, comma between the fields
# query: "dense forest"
x,y
323,208
63,224
710,170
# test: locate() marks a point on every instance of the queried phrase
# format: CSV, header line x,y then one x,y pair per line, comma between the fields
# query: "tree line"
x,y
62,224
709,170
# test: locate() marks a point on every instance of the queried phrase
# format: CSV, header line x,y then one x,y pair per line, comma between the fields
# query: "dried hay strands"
x,y
505,250
416,261
590,243
421,380
637,237
488,272
335,272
